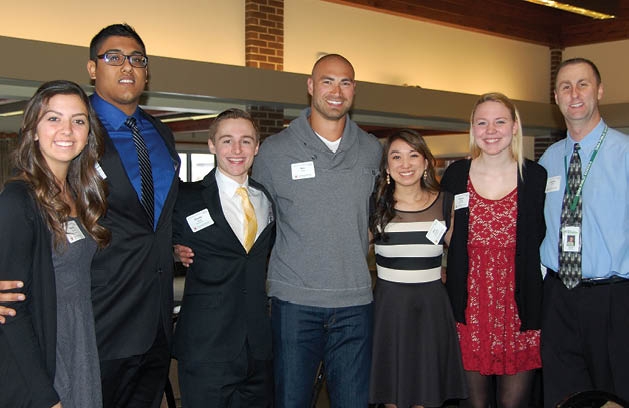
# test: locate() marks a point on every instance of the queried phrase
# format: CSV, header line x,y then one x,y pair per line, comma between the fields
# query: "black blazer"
x,y
225,301
530,231
132,278
28,340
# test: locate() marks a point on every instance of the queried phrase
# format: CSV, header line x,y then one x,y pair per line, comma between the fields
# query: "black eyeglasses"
x,y
117,59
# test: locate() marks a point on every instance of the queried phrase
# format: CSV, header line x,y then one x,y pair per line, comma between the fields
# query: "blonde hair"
x,y
516,141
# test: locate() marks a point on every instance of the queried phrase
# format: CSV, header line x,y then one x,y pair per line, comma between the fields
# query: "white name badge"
x,y
436,231
199,220
73,232
461,200
571,238
100,171
553,183
302,170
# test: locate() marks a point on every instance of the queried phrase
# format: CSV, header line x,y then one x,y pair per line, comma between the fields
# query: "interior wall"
x,y
384,48
612,59
198,30
457,146
396,51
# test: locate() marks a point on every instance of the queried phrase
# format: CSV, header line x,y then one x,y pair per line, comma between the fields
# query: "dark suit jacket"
x,y
28,340
225,301
530,231
132,278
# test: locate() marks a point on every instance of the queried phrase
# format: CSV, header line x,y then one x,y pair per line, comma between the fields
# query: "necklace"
x,y
415,205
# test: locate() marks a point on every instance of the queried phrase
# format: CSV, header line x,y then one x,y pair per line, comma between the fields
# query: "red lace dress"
x,y
491,340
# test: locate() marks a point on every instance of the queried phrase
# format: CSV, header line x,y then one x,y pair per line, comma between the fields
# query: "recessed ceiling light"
x,y
14,113
181,118
573,9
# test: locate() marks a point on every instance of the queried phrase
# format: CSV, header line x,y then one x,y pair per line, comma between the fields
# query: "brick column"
x,y
543,142
264,34
556,56
8,143
270,120
264,48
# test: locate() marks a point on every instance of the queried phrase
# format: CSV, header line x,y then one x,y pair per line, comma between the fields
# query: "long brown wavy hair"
x,y
83,180
383,201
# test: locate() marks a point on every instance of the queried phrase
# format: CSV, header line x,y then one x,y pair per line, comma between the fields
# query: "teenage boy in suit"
x,y
223,337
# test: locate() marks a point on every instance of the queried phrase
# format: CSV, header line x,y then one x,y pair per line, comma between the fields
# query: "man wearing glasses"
x,y
132,277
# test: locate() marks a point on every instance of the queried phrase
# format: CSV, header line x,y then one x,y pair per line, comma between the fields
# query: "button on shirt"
x,y
113,119
605,225
231,204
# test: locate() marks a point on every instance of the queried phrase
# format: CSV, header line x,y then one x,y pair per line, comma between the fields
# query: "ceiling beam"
x,y
516,20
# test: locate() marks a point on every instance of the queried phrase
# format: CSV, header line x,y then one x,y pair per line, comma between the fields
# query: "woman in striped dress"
x,y
416,356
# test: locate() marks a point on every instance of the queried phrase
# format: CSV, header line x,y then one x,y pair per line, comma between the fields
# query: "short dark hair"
x,y
233,113
580,60
333,56
114,30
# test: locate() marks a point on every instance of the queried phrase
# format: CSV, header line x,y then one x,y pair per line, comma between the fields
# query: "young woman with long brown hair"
x,y
49,214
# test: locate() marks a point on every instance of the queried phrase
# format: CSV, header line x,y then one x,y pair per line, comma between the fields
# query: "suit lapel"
x,y
269,227
212,200
260,187
166,135
115,172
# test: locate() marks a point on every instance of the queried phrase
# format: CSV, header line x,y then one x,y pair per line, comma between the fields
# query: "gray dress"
x,y
77,374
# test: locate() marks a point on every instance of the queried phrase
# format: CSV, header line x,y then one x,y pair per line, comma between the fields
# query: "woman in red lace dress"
x,y
493,277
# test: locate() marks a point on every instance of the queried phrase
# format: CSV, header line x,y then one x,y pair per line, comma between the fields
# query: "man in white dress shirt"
x,y
223,336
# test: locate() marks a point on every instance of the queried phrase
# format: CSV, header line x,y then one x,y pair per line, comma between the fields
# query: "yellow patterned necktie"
x,y
251,224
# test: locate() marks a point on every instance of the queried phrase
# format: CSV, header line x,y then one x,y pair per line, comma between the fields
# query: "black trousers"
x,y
585,339
242,383
137,381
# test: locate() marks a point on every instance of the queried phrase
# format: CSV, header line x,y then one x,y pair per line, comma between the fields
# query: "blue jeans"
x,y
303,336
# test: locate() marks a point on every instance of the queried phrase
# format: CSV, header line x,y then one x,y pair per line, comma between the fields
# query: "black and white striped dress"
x,y
416,356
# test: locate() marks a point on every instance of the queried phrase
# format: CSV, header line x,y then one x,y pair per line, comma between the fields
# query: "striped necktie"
x,y
251,224
146,172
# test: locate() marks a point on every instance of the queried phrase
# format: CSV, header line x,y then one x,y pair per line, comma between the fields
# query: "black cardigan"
x,y
530,230
28,340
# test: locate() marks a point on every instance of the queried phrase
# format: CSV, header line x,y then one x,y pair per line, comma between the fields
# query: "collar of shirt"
x,y
333,146
112,115
228,186
587,143
231,204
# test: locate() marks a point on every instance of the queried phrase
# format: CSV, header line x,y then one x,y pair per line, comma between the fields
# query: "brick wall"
x,y
270,119
264,48
543,142
556,55
264,34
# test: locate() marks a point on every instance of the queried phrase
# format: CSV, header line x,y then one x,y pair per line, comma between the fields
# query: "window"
x,y
194,166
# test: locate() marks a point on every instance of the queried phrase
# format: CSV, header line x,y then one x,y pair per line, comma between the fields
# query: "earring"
x,y
425,175
388,179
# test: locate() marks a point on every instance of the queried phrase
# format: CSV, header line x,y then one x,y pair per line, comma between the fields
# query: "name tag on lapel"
x,y
199,220
100,171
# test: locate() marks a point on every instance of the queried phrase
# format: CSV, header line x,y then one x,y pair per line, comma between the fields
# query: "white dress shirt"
x,y
231,204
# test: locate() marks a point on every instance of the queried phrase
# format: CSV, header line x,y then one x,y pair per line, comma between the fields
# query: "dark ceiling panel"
x,y
518,20
602,6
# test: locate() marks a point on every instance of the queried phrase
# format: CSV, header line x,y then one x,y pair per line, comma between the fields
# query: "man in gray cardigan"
x,y
321,171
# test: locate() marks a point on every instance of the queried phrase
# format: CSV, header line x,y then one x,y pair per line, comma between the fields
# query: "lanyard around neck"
x,y
575,200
